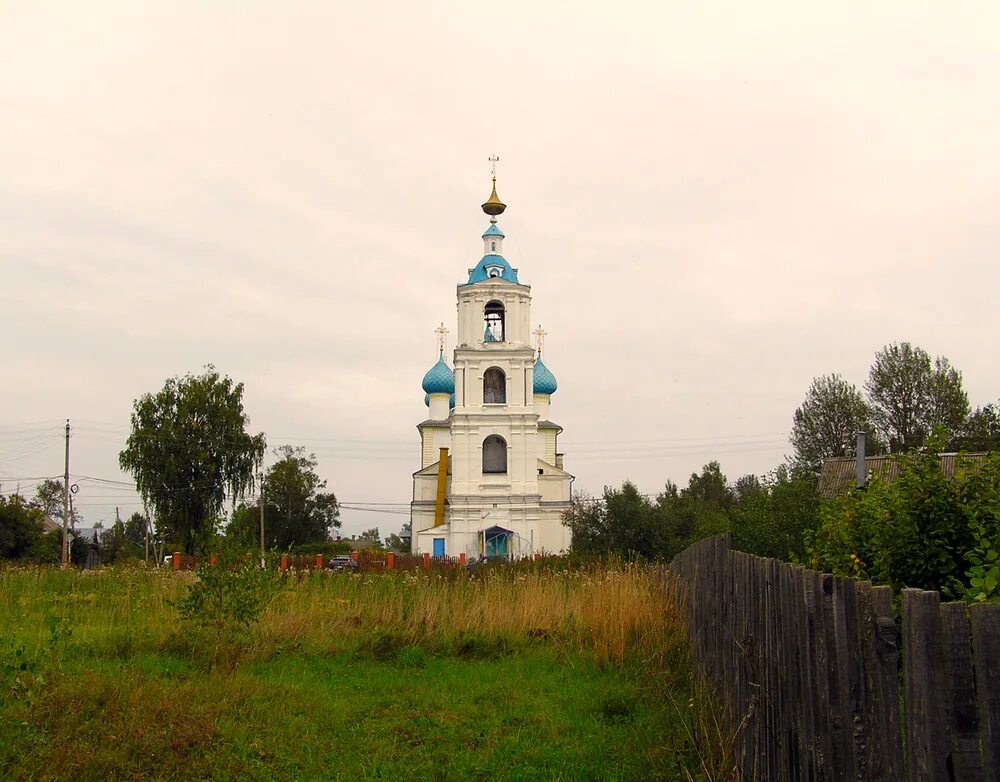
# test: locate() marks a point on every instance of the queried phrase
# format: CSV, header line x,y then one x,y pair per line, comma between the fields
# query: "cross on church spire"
x,y
442,333
539,338
494,206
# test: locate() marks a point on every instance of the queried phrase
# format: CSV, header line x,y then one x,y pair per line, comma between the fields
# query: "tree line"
x,y
919,527
907,397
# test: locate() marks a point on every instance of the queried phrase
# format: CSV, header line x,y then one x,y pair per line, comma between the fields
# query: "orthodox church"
x,y
491,479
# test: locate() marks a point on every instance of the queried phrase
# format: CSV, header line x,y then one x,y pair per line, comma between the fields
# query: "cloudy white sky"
x,y
713,204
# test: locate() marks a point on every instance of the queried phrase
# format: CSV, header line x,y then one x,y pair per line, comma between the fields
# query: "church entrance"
x,y
496,542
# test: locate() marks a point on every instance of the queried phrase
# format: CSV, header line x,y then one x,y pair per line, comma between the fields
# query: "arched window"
x,y
493,246
494,386
495,454
493,314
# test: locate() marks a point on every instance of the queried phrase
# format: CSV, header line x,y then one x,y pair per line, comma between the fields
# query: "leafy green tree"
x,y
372,535
296,509
910,395
399,542
622,522
189,450
773,517
49,498
21,528
135,531
243,530
827,421
982,430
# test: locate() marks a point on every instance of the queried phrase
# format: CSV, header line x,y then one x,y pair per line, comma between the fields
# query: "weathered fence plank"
x,y
964,761
887,650
926,737
984,623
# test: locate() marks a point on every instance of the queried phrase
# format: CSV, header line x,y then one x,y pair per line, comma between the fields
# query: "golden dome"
x,y
494,206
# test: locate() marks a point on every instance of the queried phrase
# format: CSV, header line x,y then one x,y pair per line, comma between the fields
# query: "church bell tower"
x,y
492,481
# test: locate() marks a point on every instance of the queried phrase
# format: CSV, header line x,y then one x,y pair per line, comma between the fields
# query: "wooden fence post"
x,y
390,561
175,560
985,622
461,559
427,559
319,561
960,693
926,736
213,559
284,562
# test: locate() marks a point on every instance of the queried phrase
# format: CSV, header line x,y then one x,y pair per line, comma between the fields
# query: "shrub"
x,y
229,598
922,529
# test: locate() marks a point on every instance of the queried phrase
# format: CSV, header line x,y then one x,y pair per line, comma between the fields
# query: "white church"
x,y
491,480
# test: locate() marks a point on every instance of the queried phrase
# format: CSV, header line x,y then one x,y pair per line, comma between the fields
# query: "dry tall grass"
x,y
611,612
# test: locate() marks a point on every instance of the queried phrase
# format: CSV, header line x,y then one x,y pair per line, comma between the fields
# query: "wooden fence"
x,y
807,668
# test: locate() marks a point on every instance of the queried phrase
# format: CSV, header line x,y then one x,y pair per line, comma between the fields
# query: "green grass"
x,y
345,678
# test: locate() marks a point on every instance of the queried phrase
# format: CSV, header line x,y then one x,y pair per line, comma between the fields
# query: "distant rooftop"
x,y
837,476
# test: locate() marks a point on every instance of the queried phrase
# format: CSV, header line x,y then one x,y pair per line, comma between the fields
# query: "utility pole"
x,y
860,468
260,503
146,509
65,531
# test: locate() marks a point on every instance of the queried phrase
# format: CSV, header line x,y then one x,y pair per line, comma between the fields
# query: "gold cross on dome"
x,y
539,338
442,333
494,159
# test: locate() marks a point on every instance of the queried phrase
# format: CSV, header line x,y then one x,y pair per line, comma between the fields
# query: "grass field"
x,y
514,674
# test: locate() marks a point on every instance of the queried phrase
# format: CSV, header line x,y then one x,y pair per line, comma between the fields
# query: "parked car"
x,y
342,562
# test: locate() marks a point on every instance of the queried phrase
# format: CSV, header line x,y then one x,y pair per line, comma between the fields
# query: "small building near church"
x,y
491,479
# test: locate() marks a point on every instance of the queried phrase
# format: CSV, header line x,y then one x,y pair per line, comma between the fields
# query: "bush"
x,y
229,598
922,529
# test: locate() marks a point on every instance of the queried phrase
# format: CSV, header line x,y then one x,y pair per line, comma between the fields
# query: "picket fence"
x,y
807,667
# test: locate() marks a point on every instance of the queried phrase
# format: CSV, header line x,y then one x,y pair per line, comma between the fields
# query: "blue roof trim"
x,y
439,379
544,381
494,230
490,263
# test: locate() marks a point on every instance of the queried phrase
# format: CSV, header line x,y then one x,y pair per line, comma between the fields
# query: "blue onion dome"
x,y
439,379
545,381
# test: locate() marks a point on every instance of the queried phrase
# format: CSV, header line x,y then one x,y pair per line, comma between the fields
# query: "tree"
x,y
827,421
296,510
622,521
372,535
771,517
910,396
399,542
135,530
49,498
189,449
21,528
982,430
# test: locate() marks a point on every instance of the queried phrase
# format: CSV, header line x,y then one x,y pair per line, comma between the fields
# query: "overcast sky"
x,y
712,203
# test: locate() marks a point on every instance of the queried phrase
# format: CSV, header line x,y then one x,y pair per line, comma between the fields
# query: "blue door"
x,y
496,545
438,547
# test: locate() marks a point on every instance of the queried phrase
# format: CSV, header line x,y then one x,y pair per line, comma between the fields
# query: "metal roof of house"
x,y
837,476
